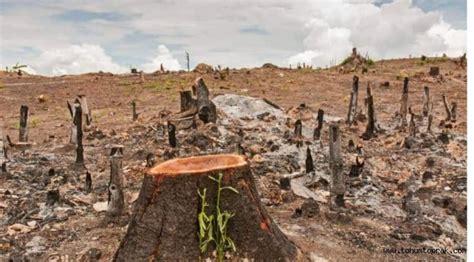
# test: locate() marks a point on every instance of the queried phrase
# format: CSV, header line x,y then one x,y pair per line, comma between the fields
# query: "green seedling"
x,y
213,228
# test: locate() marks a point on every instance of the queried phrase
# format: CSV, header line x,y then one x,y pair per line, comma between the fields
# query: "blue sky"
x,y
56,37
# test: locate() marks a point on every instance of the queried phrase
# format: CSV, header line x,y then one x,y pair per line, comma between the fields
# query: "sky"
x,y
56,37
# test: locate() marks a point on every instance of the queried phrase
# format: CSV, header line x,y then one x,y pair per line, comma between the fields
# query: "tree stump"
x,y
205,107
79,135
338,187
317,130
404,103
164,224
426,101
187,100
116,202
134,111
353,102
23,137
434,71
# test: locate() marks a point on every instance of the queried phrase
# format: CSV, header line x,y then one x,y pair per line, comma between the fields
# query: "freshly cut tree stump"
x,y
164,225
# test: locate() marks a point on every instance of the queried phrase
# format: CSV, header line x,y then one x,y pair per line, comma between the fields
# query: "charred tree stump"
x,y
88,184
309,161
450,111
434,71
164,224
72,111
23,124
426,102
404,103
187,100
172,135
85,109
430,122
3,154
412,126
206,109
116,202
353,102
79,146
454,106
319,127
134,111
298,135
371,128
338,187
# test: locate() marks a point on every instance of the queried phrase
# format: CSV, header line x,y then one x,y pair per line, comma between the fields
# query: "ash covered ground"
x,y
410,191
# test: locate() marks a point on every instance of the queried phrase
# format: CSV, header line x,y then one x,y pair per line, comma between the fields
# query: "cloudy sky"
x,y
56,37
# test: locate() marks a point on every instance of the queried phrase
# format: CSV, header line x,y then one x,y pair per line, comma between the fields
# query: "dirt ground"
x,y
361,237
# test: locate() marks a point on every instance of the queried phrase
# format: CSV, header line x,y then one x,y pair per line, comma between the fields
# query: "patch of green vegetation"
x,y
370,62
213,228
166,84
346,61
33,122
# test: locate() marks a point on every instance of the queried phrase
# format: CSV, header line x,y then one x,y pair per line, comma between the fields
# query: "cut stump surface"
x,y
164,224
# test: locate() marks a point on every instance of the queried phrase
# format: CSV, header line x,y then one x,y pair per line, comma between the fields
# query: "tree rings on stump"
x,y
164,224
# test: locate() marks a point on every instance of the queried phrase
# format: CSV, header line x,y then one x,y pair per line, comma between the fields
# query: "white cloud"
x,y
163,57
75,59
396,29
241,33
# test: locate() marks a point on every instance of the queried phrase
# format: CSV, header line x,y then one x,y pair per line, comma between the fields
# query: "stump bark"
x,y
79,134
116,202
353,102
317,130
206,109
404,103
164,225
23,137
338,187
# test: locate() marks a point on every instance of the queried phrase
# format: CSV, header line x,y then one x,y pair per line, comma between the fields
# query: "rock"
x,y
236,106
297,186
313,257
100,206
35,245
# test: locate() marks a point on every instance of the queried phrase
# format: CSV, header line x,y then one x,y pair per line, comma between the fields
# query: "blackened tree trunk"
x,y
205,107
78,124
187,100
298,135
319,127
164,224
134,111
23,124
404,103
116,201
3,150
171,135
338,188
353,102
